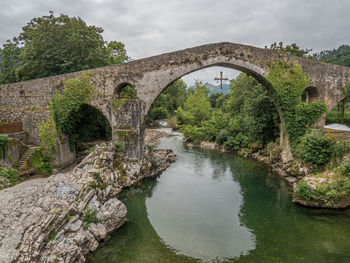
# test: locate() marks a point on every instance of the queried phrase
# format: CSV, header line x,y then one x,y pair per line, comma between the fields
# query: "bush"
x,y
345,169
90,216
11,175
237,142
158,113
41,162
128,92
222,136
48,135
172,123
316,149
339,150
304,190
119,147
192,133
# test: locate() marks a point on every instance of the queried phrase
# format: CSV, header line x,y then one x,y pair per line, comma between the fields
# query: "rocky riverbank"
x,y
63,217
293,172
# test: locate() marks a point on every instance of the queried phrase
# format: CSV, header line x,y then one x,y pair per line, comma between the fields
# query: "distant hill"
x,y
339,56
216,88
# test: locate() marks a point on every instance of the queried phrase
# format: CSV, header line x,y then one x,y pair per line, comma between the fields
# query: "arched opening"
x,y
125,91
340,113
238,114
310,94
91,126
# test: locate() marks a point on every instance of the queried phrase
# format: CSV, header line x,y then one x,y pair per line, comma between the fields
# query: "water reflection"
x,y
226,209
195,207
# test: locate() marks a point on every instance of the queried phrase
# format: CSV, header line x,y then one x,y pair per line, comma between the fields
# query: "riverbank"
x,y
210,206
63,217
293,172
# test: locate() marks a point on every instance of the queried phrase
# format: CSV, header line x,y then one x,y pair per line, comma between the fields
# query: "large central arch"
x,y
151,75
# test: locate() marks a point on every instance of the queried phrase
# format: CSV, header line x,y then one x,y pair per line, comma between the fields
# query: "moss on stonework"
x,y
124,134
118,103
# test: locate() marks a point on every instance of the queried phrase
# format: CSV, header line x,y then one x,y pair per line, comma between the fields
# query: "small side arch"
x,y
118,91
311,94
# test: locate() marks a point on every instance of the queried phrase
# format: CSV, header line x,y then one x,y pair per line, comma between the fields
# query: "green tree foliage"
x,y
245,115
292,49
8,63
128,92
173,97
73,114
339,56
288,83
251,105
51,45
216,99
48,135
198,105
317,149
116,52
66,106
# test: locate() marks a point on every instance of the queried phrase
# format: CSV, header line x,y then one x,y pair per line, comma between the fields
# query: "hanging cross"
x,y
221,79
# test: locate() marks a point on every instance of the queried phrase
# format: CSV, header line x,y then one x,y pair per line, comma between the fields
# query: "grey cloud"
x,y
150,27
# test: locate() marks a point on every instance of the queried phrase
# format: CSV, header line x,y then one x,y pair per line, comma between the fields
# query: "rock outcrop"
x,y
63,217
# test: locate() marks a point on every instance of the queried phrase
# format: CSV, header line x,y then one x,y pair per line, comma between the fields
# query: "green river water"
x,y
217,207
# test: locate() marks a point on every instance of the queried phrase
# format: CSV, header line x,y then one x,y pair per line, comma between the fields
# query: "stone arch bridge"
x,y
27,102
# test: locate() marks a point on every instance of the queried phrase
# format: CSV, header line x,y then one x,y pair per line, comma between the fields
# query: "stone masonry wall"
x,y
150,76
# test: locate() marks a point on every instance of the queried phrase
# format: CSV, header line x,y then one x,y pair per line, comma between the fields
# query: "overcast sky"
x,y
151,27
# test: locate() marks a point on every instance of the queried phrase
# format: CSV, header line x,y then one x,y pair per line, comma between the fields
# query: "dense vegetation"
x,y
245,115
339,56
168,101
73,115
292,49
52,45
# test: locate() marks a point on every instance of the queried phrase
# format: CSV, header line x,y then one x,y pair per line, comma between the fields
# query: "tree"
x,y
9,60
292,49
339,56
173,97
198,104
251,105
116,52
52,45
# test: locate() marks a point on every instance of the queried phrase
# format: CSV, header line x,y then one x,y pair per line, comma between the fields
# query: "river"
x,y
218,207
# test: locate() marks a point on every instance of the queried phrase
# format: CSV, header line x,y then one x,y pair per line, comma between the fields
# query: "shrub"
x,y
316,149
66,107
339,149
50,236
304,190
128,92
172,123
119,147
11,175
48,135
237,142
345,169
41,162
158,113
90,216
192,133
222,136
